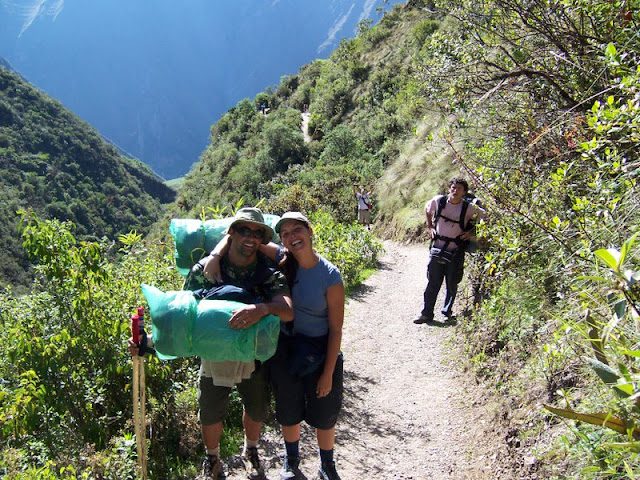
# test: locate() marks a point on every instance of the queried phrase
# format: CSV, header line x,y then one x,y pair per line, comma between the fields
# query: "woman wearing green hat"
x,y
306,371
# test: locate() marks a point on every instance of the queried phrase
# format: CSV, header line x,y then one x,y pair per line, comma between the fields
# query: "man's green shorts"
x,y
254,392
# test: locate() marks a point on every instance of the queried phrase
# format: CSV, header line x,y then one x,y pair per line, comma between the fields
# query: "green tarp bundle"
x,y
183,326
194,238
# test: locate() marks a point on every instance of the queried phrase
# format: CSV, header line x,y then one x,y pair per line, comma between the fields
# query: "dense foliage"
x,y
65,396
543,102
55,164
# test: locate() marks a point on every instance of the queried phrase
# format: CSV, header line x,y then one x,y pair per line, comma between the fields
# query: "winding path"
x,y
305,126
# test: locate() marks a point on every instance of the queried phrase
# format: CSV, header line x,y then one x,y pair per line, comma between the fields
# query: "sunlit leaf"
x,y
625,388
627,247
593,278
607,374
611,325
599,419
627,446
619,308
610,256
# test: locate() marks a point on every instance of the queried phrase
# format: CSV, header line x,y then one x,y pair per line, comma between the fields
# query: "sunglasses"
x,y
250,232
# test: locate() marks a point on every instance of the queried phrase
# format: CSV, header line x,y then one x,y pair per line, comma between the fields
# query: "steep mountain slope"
x,y
55,164
365,103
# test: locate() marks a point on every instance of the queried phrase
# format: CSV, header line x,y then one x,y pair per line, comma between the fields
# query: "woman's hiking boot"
x,y
290,468
328,471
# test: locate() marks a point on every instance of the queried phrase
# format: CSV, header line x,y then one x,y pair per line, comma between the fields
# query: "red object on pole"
x,y
135,329
139,396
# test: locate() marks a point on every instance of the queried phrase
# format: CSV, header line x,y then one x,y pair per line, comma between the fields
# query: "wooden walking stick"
x,y
139,395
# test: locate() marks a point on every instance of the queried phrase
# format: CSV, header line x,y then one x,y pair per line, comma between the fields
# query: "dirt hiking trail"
x,y
409,412
305,126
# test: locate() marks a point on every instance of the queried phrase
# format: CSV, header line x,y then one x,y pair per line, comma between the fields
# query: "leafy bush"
x,y
64,361
350,247
423,30
561,190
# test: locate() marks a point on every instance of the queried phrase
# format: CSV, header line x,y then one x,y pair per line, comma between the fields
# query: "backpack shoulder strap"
x,y
463,214
442,202
264,269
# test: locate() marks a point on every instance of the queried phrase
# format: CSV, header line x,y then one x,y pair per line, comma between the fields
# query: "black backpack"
x,y
250,290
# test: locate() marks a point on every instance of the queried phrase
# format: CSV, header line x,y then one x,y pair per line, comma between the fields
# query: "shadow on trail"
x,y
271,456
360,292
445,324
356,418
385,265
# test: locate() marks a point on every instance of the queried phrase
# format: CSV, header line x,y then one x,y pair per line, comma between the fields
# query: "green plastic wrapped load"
x,y
173,317
271,220
194,238
214,230
182,326
188,236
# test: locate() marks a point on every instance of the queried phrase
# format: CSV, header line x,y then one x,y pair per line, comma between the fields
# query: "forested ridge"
x,y
60,167
536,103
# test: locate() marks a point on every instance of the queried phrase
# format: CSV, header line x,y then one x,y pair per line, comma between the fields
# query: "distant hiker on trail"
x,y
248,272
450,221
306,371
364,205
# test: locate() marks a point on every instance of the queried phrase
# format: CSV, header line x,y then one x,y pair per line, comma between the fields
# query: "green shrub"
x,y
64,363
352,248
423,30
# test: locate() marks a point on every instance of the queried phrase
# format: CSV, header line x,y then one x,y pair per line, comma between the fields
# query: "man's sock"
x,y
326,456
215,452
293,449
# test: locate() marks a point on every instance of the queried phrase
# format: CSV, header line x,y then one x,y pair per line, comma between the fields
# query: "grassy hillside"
x,y
368,115
55,164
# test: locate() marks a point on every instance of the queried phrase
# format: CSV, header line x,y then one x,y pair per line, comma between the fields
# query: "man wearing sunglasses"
x,y
248,273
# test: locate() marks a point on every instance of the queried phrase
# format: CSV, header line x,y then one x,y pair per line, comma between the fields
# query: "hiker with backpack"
x,y
248,276
450,221
306,371
243,267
